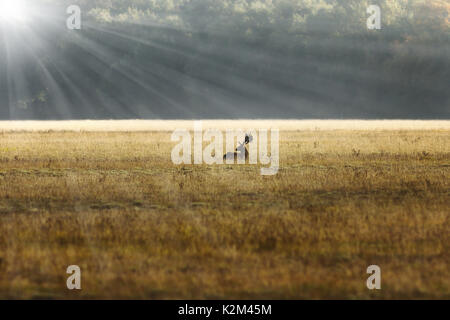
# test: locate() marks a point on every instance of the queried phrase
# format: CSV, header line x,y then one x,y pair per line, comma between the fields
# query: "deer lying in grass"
x,y
241,150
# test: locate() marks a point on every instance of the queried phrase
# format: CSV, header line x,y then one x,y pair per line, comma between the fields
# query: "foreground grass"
x,y
140,227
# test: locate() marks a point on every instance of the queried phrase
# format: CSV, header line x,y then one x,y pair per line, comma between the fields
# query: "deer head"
x,y
248,139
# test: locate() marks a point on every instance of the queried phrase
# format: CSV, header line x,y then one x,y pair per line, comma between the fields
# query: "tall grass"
x,y
140,227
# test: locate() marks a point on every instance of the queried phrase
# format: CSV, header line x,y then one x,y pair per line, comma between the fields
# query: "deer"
x,y
241,150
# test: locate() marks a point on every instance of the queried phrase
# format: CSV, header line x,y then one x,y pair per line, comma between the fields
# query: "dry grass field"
x,y
141,227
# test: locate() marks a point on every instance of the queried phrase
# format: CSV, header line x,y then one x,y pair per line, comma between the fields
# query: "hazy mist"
x,y
186,59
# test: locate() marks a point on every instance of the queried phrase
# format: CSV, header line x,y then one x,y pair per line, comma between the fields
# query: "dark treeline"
x,y
227,59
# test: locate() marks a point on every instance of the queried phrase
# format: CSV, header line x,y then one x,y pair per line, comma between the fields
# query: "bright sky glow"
x,y
12,11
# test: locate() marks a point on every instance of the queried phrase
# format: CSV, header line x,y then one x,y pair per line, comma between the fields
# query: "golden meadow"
x,y
107,197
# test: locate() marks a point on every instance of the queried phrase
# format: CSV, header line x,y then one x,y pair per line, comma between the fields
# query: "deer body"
x,y
241,150
240,153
